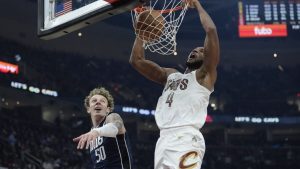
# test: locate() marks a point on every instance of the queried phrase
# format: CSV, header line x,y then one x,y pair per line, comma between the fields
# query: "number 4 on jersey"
x,y
170,99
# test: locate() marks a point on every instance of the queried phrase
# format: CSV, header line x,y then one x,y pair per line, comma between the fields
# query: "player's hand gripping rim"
x,y
190,3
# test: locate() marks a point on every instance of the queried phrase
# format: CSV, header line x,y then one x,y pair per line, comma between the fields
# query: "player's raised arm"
x,y
211,43
148,68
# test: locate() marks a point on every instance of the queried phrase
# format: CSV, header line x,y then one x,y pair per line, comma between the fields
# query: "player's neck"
x,y
96,121
187,70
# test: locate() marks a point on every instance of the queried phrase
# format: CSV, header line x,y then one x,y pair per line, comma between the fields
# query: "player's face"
x,y
195,59
98,106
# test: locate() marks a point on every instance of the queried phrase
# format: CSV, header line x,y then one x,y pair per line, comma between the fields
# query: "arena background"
x,y
254,115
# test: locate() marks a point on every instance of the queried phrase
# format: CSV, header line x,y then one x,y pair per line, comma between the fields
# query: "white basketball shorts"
x,y
179,148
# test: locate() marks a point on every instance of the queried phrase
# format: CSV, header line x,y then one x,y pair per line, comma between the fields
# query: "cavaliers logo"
x,y
190,156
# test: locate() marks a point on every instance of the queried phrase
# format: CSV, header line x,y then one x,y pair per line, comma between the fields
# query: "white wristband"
x,y
107,130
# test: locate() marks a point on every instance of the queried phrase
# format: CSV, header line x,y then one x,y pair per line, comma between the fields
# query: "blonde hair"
x,y
100,91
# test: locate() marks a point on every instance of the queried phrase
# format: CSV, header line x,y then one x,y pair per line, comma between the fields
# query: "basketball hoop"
x,y
173,12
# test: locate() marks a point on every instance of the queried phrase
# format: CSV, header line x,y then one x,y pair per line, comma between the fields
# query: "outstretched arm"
x,y
114,125
211,43
148,68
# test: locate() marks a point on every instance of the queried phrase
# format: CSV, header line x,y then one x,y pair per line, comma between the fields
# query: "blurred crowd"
x,y
27,144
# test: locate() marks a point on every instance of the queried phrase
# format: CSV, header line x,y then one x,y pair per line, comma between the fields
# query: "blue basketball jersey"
x,y
109,152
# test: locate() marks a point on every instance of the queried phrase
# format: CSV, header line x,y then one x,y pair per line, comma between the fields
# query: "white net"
x,y
160,39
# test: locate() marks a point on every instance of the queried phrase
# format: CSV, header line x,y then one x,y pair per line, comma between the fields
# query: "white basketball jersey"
x,y
183,102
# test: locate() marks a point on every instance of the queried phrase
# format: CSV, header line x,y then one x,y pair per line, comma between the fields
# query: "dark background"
x,y
36,130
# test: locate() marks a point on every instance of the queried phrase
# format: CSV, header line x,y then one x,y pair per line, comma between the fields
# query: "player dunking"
x,y
182,108
106,140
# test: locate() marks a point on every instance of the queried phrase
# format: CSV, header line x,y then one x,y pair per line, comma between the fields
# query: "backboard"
x,y
60,17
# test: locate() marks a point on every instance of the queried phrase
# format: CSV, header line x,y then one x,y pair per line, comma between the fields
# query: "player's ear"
x,y
88,110
108,110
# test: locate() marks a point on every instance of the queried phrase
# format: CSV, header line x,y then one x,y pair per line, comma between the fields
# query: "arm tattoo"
x,y
117,120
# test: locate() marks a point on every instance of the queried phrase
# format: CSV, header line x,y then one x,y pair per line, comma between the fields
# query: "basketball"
x,y
149,25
